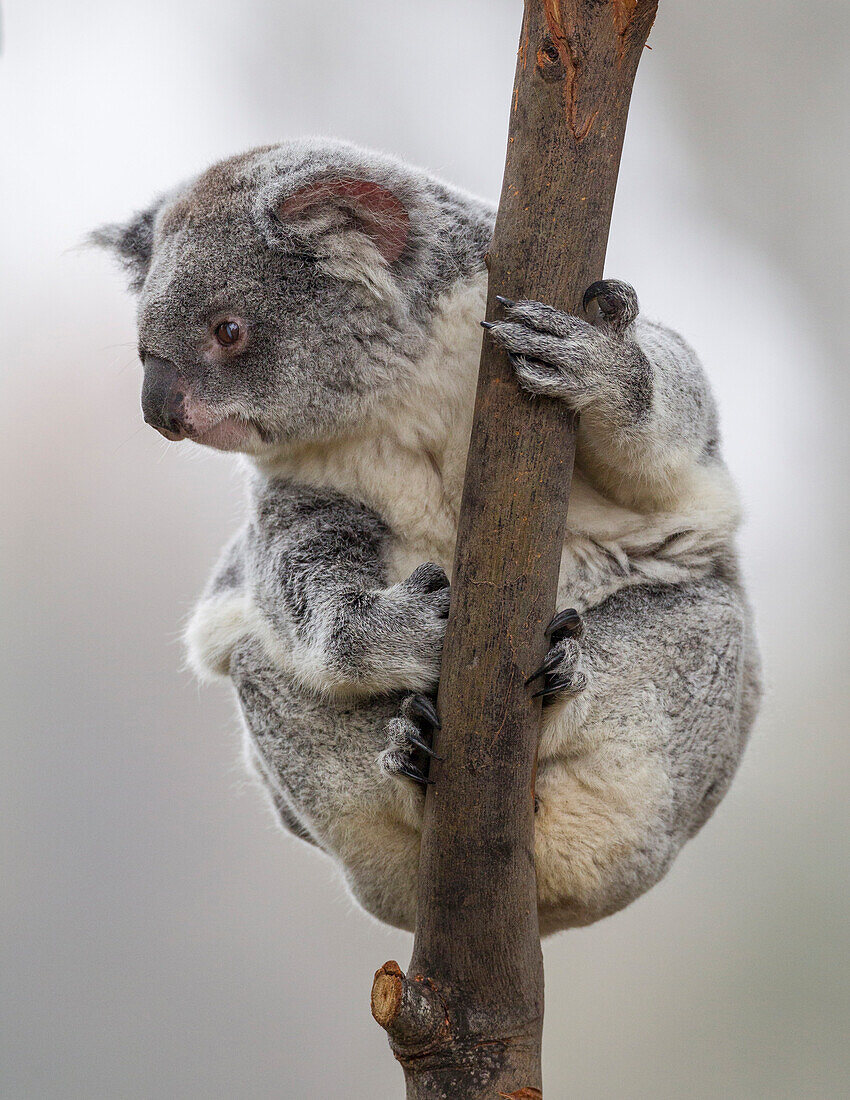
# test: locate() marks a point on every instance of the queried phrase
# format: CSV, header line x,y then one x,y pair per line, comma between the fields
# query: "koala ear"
x,y
131,242
331,205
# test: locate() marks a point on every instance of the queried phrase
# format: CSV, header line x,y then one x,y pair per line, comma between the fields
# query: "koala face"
x,y
231,331
285,292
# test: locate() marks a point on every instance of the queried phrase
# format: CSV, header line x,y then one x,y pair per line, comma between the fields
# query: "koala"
x,y
315,308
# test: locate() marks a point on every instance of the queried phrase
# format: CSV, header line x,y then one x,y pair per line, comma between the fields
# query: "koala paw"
x,y
409,738
560,674
406,626
559,355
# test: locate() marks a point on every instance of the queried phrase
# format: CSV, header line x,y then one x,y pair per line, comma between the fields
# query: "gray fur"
x,y
354,407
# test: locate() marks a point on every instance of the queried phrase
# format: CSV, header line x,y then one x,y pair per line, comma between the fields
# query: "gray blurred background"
x,y
159,937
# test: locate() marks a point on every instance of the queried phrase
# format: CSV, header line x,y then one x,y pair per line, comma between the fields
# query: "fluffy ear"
x,y
333,205
131,242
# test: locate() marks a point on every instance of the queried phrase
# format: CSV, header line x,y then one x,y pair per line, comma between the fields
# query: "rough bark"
x,y
466,1021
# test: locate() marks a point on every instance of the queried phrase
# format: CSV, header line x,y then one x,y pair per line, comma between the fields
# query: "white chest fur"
x,y
408,465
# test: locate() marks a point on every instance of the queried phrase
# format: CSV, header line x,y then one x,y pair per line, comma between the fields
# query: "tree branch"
x,y
466,1021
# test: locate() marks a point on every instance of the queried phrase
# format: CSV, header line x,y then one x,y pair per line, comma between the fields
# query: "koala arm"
x,y
648,419
653,427
307,577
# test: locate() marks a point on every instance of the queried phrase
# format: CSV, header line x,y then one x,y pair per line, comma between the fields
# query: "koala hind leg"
x,y
595,827
560,675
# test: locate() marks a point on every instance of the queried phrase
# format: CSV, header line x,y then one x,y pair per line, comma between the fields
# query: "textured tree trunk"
x,y
466,1021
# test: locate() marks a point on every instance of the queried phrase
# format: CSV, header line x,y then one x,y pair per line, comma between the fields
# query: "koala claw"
x,y
413,773
562,685
617,302
422,707
560,668
566,624
409,736
550,661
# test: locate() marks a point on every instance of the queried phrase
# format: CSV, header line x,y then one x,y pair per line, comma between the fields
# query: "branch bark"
x,y
466,1021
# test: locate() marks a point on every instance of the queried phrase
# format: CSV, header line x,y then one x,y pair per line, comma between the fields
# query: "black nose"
x,y
163,392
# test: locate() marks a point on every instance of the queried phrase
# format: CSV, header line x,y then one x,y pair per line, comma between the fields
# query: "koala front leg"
x,y
316,571
357,640
587,365
647,412
306,577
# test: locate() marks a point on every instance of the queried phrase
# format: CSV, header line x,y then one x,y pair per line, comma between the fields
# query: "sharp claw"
x,y
593,291
567,621
487,324
549,662
416,776
424,747
506,302
422,705
618,302
553,689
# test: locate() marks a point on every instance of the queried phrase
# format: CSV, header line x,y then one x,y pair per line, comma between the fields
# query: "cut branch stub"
x,y
409,1010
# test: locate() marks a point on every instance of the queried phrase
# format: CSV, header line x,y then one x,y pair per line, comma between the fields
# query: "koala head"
x,y
286,291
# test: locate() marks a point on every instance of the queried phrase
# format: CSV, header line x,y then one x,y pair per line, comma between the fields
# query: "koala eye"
x,y
227,333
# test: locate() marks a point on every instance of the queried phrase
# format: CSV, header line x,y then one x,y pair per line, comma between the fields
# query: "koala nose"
x,y
163,393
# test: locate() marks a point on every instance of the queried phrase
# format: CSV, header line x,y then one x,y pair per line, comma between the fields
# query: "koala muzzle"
x,y
163,398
